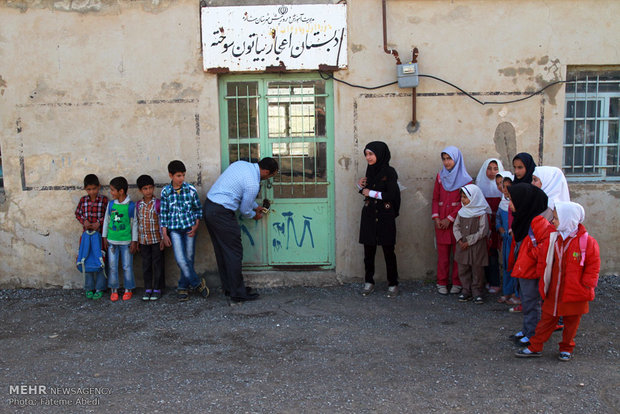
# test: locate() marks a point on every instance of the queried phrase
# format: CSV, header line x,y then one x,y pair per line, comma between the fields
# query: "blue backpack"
x,y
90,256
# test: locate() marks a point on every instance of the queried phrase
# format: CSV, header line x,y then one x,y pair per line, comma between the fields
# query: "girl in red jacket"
x,y
570,273
446,205
530,229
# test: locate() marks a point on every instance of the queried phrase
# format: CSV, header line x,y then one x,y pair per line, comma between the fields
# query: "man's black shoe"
x,y
249,297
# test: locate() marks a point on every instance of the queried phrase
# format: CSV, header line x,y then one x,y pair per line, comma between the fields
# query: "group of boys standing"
x,y
153,224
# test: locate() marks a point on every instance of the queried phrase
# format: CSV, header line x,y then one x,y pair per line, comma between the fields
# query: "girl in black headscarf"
x,y
523,165
530,230
378,225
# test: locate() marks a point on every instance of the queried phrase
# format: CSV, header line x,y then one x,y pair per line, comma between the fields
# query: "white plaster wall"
x,y
483,47
116,88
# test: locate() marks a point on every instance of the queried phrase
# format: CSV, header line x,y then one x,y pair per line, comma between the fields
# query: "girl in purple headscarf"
x,y
446,205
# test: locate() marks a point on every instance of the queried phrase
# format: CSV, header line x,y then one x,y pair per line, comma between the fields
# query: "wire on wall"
x,y
326,76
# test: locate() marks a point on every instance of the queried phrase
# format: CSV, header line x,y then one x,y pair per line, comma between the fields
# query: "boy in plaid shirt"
x,y
179,218
90,212
149,236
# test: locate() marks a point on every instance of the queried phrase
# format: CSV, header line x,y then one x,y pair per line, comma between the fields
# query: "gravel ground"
x,y
296,350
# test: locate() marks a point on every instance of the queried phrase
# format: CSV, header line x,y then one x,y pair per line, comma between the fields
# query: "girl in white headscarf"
x,y
486,181
502,224
570,275
471,230
552,181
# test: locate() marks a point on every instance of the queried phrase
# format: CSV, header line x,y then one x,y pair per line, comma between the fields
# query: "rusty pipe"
x,y
385,48
414,125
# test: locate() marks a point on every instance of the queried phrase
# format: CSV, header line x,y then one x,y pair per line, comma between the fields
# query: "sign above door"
x,y
285,37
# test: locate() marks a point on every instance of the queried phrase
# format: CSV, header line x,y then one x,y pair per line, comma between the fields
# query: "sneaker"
x,y
526,353
524,341
182,295
114,296
565,356
464,298
392,291
127,295
442,290
516,309
156,294
478,300
97,295
368,289
147,294
89,294
455,289
202,288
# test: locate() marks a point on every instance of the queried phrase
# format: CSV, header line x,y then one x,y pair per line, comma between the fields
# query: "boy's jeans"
x,y
122,250
184,248
89,281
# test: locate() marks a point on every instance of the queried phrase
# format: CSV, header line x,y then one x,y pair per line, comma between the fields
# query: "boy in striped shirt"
x,y
151,244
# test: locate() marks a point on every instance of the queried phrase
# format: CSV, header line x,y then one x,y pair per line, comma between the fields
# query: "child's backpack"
x,y
583,243
90,256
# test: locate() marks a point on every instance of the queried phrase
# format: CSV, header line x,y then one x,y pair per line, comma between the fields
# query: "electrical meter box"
x,y
408,75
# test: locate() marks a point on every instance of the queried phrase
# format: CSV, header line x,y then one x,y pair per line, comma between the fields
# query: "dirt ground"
x,y
296,350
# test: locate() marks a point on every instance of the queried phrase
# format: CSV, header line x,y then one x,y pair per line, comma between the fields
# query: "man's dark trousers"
x,y
226,238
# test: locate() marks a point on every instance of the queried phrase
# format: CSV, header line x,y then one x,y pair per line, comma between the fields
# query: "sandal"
x,y
503,299
89,294
513,301
97,295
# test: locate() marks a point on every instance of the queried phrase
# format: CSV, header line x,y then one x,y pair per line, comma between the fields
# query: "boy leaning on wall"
x,y
179,219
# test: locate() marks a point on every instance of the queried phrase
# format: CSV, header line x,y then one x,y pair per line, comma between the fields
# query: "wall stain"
x,y
344,162
3,85
357,48
614,193
87,6
505,139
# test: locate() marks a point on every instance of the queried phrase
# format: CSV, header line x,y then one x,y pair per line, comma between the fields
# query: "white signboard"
x,y
252,38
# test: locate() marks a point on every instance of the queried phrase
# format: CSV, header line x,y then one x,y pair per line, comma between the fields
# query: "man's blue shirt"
x,y
237,188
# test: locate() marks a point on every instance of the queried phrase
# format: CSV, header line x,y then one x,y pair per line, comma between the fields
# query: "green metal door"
x,y
289,118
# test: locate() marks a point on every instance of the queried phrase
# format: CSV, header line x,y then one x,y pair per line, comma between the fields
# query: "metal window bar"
x,y
238,139
600,144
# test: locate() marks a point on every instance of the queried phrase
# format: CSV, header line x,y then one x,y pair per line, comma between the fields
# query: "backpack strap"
x,y
583,243
530,232
132,209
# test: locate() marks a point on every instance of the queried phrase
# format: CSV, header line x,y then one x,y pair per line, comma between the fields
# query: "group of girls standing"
x,y
550,264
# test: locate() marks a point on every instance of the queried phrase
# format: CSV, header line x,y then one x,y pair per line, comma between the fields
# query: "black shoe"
x,y
464,298
516,337
182,295
248,290
247,298
526,353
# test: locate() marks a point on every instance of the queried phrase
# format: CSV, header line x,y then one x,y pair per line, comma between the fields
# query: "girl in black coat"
x,y
381,204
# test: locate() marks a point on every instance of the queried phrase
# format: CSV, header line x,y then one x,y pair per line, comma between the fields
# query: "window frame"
x,y
601,119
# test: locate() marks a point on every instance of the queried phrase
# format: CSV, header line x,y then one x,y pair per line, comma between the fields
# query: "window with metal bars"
x,y
591,125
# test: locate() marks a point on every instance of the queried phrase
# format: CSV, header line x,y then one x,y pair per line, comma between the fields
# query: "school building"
x,y
119,87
